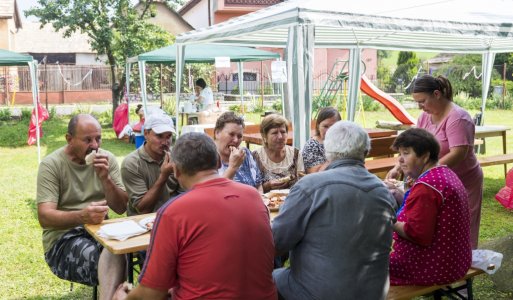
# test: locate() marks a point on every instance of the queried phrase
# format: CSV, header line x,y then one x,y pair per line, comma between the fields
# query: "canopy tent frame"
x,y
9,58
455,26
197,54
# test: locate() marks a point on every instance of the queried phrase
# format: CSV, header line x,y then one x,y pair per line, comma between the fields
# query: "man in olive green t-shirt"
x,y
147,172
71,193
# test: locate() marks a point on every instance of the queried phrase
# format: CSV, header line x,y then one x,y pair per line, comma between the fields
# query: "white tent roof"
x,y
468,26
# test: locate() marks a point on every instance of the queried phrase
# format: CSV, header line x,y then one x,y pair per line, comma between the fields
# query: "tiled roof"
x,y
31,39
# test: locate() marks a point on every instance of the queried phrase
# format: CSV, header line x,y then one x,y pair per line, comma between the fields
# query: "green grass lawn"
x,y
23,271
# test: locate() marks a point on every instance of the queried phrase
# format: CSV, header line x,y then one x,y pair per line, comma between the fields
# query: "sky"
x,y
24,5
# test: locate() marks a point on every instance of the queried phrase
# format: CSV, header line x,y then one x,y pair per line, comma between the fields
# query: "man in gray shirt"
x,y
337,225
147,172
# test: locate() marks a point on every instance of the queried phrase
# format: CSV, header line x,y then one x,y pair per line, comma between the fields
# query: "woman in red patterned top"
x,y
432,232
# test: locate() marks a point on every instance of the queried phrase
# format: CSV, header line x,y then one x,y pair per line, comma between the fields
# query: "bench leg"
x,y
453,293
470,295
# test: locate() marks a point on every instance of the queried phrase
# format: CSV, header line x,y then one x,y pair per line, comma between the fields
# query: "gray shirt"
x,y
139,173
337,225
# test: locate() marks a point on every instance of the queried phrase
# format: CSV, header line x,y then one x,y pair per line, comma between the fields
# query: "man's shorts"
x,y
75,256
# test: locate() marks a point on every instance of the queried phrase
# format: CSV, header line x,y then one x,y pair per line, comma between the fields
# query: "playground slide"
x,y
389,102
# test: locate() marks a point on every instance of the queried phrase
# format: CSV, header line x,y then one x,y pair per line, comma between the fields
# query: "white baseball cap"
x,y
159,123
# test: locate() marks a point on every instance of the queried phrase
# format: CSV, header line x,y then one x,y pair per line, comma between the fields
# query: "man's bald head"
x,y
73,123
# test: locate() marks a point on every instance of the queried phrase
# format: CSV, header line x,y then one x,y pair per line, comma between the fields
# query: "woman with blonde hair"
x,y
280,165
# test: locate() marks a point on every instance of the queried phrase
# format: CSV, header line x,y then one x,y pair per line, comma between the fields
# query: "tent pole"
x,y
180,62
300,58
161,91
354,81
142,80
35,96
241,86
487,68
127,93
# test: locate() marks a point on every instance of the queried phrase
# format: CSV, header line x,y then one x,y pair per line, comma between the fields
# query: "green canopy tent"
x,y
204,53
9,58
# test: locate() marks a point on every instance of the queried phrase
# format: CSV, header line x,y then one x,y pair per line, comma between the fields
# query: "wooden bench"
x,y
500,159
403,292
378,165
382,146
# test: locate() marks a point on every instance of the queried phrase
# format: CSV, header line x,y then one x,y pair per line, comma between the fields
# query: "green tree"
x,y
114,28
461,75
175,4
407,67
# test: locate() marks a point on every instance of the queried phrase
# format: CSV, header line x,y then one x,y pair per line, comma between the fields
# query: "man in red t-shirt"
x,y
212,242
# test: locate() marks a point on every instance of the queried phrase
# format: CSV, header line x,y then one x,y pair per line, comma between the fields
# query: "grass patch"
x,y
23,271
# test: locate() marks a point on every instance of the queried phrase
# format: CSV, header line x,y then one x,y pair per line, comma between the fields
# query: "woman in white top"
x,y
205,96
280,165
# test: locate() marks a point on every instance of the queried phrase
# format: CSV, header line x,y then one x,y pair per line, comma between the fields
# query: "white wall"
x,y
88,59
198,15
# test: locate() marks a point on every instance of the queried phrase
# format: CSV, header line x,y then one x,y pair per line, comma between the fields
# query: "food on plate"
x,y
147,222
284,179
274,199
90,157
149,225
275,202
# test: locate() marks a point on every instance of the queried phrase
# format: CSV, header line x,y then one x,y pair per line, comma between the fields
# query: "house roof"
x,y
178,17
188,6
33,39
8,10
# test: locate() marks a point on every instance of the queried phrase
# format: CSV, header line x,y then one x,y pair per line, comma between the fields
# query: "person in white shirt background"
x,y
205,96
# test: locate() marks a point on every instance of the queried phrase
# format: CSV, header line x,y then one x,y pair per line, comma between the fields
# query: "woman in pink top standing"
x,y
454,129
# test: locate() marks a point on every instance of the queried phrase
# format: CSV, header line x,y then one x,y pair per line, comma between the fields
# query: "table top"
x,y
130,245
491,128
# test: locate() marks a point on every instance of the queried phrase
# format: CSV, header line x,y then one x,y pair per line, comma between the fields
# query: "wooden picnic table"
x,y
493,131
128,246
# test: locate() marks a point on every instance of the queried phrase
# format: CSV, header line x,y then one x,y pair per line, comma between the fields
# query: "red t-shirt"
x,y
421,210
213,242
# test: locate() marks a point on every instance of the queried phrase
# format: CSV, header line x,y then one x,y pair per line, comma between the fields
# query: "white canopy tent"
x,y
457,26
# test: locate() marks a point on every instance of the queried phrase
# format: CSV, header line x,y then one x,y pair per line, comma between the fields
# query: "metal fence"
x,y
55,78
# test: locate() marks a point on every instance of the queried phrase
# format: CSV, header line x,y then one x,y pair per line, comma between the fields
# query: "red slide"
x,y
390,103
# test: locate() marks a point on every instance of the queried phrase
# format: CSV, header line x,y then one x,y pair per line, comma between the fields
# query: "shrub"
x,y
237,108
52,113
5,114
369,104
169,105
26,114
277,106
258,109
104,118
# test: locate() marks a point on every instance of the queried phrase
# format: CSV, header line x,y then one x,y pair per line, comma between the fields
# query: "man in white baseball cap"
x,y
147,172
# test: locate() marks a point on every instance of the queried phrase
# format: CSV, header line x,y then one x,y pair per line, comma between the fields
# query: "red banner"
x,y
42,116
